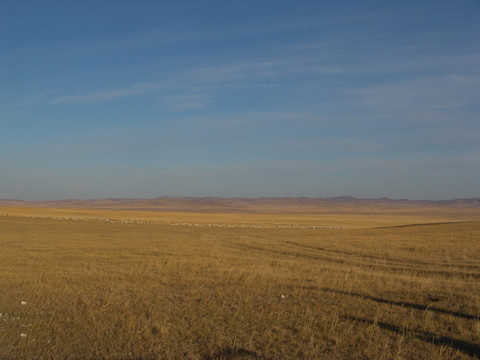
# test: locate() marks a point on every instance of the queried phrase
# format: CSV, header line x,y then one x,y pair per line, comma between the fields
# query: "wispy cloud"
x,y
177,87
105,95
184,102
425,94
450,89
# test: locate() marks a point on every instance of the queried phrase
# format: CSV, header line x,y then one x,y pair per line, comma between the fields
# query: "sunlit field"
x,y
111,284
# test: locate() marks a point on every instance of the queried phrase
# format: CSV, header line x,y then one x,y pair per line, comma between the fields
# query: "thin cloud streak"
x,y
262,71
430,94
106,95
207,77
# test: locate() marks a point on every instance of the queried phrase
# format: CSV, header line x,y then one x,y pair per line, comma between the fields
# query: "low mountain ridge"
x,y
234,204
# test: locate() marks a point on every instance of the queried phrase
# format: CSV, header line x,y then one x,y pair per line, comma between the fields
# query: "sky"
x,y
142,99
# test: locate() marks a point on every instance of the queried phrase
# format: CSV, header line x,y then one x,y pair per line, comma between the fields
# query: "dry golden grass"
x,y
180,286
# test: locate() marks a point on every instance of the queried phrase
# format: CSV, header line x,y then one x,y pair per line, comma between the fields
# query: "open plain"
x,y
344,280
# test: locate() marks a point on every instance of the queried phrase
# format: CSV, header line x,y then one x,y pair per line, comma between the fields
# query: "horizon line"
x,y
338,197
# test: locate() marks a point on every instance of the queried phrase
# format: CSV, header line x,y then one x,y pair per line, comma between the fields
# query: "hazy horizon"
x,y
106,99
166,197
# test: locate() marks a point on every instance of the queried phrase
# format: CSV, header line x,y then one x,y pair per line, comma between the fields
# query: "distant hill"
x,y
241,204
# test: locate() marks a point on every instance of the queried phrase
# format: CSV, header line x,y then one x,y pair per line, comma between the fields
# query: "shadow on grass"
x,y
467,347
426,224
404,304
234,353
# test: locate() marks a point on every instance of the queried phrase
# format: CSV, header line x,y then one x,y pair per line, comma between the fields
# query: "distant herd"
x,y
273,225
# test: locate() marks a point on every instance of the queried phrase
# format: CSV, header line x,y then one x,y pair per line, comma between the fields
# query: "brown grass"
x,y
219,286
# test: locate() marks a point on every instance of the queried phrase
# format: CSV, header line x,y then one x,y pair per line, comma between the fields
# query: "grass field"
x,y
98,284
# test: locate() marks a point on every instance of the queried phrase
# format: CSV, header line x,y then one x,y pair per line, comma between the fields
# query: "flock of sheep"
x,y
177,223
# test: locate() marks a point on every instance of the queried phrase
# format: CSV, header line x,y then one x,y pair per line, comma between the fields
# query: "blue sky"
x,y
239,98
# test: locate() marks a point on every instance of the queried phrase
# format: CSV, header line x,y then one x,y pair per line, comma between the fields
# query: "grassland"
x,y
118,284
